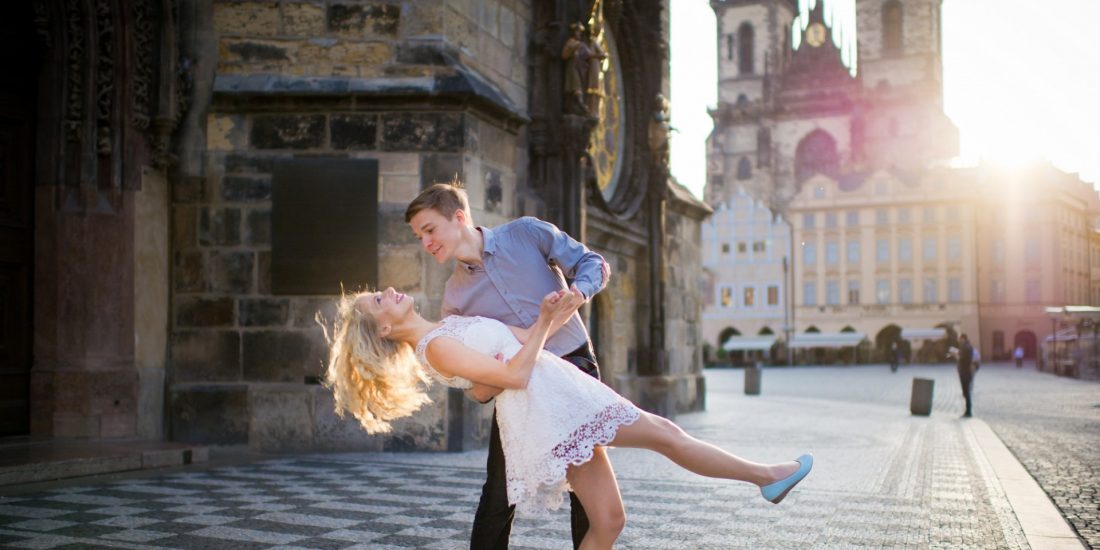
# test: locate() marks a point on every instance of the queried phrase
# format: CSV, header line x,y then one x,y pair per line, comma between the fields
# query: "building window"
x,y
997,291
832,293
745,49
729,47
773,295
931,291
815,154
807,221
830,219
929,214
892,27
819,191
726,296
882,188
929,249
882,291
853,293
954,290
882,251
832,253
742,247
954,248
758,246
853,252
903,215
905,250
905,291
749,296
1032,291
853,218
882,216
809,254
744,169
809,293
725,248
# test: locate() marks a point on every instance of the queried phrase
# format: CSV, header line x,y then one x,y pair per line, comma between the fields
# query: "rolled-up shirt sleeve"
x,y
583,266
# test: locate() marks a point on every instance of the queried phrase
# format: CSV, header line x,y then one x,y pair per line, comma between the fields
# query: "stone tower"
x,y
901,68
754,43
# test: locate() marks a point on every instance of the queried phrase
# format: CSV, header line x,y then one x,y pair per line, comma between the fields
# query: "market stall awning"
x,y
1064,335
749,343
923,333
827,340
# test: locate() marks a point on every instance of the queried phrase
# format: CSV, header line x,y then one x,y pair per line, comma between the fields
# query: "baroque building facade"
x,y
211,173
886,235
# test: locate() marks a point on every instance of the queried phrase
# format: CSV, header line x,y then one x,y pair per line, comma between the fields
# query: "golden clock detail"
x,y
815,34
607,142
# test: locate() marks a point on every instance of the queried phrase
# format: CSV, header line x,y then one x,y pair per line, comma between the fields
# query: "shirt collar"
x,y
489,241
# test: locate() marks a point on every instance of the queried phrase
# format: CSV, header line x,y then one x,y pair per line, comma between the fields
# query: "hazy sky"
x,y
1021,81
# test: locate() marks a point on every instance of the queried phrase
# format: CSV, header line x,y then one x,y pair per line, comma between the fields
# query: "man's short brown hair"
x,y
444,198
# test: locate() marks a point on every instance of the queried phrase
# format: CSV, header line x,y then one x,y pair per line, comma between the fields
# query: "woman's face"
x,y
388,307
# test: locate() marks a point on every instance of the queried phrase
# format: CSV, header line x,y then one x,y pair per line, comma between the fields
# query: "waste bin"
x,y
921,401
752,379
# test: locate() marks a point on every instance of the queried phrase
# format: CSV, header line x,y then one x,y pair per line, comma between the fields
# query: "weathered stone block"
x,y
426,430
379,20
397,163
400,189
305,310
188,189
184,227
118,425
301,19
263,272
332,433
422,132
206,356
219,227
258,228
400,269
282,356
440,168
255,53
215,415
224,132
392,229
281,418
247,163
230,272
189,271
264,312
324,56
246,18
192,311
288,131
71,425
246,188
354,131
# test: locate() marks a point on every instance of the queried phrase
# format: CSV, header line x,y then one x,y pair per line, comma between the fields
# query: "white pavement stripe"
x,y
308,519
247,535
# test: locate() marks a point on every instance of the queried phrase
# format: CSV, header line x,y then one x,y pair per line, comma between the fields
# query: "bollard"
x,y
752,379
921,401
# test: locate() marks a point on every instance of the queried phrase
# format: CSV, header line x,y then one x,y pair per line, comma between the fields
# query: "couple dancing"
x,y
511,332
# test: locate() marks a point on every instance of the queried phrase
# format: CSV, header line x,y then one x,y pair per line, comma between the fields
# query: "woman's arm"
x,y
453,358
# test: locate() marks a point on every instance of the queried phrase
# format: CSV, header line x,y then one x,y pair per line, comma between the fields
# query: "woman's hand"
x,y
556,305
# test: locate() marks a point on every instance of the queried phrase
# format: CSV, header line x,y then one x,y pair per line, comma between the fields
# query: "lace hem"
x,y
452,326
544,490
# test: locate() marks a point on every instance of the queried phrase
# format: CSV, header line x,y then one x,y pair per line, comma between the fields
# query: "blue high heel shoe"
x,y
775,492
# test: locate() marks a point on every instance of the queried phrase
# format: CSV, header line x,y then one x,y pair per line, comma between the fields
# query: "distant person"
x,y
977,359
1019,355
966,370
895,356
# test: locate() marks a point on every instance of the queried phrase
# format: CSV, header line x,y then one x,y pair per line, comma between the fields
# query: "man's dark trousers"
x,y
493,519
966,378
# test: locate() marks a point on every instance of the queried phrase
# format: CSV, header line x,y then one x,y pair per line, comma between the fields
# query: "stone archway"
x,y
1027,340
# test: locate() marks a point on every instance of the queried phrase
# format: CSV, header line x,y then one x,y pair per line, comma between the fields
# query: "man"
x,y
1019,355
966,370
503,273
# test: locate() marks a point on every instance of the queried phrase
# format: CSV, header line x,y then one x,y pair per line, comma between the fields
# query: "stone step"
x,y
25,460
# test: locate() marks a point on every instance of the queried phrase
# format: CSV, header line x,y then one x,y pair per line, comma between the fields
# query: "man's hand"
x,y
606,268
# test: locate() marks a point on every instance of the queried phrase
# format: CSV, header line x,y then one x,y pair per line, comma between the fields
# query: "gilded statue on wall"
x,y
583,58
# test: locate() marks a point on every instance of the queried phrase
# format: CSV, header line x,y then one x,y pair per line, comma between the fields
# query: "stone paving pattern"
x,y
882,479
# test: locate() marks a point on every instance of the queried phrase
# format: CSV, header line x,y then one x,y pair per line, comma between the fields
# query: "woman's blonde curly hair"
x,y
375,379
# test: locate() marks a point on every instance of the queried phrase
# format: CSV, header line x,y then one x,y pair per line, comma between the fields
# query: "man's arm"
x,y
587,269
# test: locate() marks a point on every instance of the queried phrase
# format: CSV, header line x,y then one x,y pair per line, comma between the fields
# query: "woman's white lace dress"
x,y
553,423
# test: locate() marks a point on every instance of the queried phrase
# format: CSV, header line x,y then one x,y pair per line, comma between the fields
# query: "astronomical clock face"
x,y
815,34
606,147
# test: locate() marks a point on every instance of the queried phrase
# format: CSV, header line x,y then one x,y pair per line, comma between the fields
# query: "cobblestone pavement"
x,y
882,479
1052,425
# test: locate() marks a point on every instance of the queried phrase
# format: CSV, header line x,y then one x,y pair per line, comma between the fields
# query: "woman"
x,y
554,420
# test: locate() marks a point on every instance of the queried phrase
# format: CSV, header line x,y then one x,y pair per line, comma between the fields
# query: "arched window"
x,y
763,147
742,100
745,49
816,154
891,27
729,47
744,169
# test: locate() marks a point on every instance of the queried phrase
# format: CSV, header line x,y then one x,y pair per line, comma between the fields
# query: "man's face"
x,y
438,236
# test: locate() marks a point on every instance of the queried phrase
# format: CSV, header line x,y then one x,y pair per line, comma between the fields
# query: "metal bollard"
x,y
921,401
752,379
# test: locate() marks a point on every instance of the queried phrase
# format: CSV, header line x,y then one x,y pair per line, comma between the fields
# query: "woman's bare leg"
x,y
663,436
595,485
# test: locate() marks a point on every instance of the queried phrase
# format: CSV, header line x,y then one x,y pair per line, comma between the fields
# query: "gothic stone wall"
x,y
240,355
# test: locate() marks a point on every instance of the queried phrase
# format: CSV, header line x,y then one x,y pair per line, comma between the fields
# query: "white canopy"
x,y
827,340
923,333
749,343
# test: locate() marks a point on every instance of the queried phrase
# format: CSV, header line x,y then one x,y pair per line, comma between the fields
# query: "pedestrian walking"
x,y
554,420
966,370
1019,355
